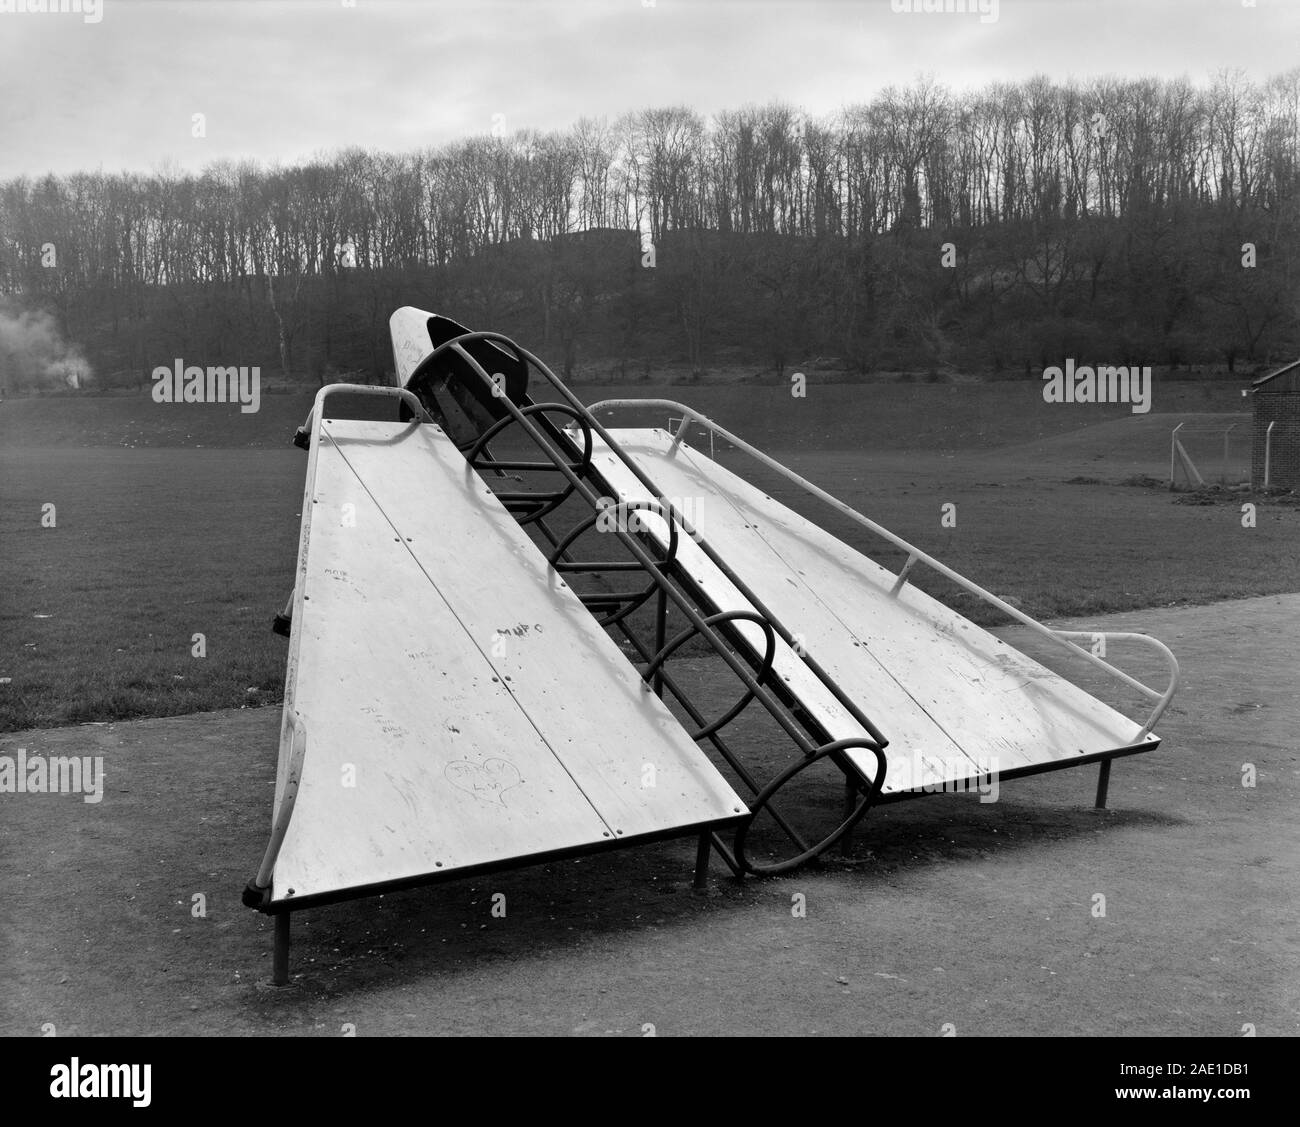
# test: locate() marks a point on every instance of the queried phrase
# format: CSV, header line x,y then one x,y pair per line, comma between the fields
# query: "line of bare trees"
x,y
1047,190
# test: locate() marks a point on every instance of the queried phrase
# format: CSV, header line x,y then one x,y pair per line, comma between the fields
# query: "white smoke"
x,y
33,353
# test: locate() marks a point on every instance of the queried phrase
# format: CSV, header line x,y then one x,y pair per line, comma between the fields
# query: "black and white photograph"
x,y
644,518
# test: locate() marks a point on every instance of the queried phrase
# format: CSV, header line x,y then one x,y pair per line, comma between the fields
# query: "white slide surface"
x,y
460,706
954,701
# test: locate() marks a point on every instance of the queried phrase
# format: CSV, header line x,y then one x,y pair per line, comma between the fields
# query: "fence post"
x,y
1223,470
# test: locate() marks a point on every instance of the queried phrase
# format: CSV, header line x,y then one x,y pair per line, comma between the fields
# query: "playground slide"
x,y
954,701
453,706
450,705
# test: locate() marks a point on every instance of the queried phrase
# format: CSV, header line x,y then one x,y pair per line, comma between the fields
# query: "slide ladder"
x,y
563,435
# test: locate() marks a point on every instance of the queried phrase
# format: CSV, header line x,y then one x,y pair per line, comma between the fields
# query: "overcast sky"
x,y
279,80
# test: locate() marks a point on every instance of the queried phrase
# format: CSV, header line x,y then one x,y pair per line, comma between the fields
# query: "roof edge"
x,y
1274,375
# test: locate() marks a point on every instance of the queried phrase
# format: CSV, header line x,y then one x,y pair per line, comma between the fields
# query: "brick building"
x,y
1275,399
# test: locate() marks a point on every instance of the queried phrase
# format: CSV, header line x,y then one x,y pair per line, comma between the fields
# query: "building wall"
x,y
1283,408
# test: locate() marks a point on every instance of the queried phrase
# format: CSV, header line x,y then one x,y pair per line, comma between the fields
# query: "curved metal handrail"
x,y
764,668
540,504
630,601
258,892
318,404
1162,699
854,817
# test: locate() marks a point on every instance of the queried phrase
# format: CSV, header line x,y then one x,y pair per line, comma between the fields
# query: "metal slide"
x,y
450,704
482,674
957,703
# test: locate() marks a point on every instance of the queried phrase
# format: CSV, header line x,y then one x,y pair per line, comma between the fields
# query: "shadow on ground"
x,y
945,910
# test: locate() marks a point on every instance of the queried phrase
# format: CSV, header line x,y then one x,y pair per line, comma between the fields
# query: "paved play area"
x,y
124,916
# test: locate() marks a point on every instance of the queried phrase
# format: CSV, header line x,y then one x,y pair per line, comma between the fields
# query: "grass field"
x,y
863,417
177,521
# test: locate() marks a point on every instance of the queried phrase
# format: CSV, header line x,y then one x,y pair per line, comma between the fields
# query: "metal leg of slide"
x,y
702,851
280,969
850,801
661,631
1103,782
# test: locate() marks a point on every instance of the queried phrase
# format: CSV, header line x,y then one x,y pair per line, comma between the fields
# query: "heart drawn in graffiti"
x,y
488,780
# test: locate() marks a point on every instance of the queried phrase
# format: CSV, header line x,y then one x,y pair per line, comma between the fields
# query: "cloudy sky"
x,y
278,80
